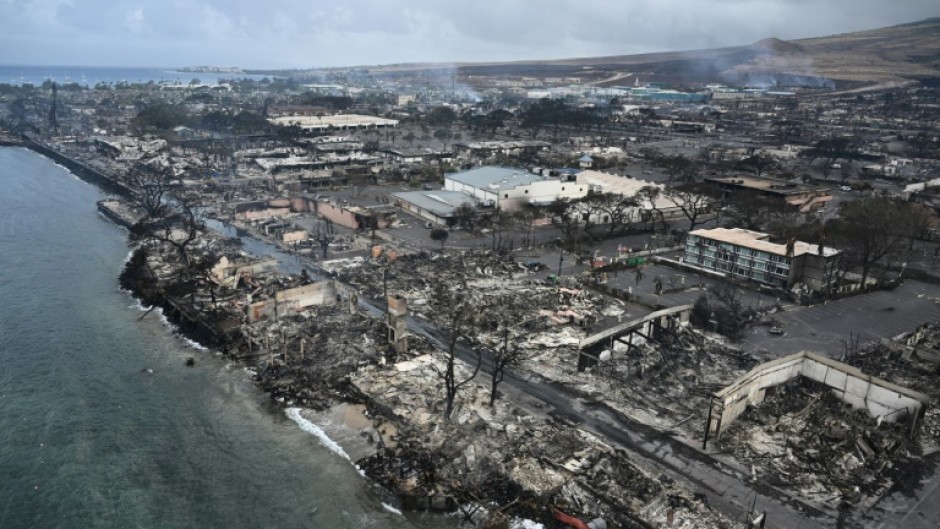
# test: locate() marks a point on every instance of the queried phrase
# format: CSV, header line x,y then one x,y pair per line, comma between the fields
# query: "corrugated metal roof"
x,y
439,202
496,178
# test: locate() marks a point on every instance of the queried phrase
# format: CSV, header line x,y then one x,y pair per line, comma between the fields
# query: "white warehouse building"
x,y
510,189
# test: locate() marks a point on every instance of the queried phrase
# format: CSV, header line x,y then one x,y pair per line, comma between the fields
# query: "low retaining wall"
x,y
691,268
82,171
880,398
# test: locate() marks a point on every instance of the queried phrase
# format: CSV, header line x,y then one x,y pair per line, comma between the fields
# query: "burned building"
x,y
801,196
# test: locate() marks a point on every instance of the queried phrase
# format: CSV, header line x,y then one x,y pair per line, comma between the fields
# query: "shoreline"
x,y
415,455
195,328
199,334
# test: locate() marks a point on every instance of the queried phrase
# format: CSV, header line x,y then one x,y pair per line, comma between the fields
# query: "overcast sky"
x,y
304,33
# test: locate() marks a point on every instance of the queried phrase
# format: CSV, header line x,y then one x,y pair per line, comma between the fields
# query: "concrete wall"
x,y
542,192
225,268
319,293
511,199
878,397
265,213
423,213
482,194
299,205
337,215
294,300
294,236
813,270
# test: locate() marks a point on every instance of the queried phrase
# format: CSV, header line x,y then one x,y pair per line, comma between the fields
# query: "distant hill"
x,y
887,55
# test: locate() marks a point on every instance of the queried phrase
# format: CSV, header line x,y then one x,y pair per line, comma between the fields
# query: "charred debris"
x,y
308,344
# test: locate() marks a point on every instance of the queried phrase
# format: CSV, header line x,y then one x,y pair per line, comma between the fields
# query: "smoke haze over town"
x,y
298,33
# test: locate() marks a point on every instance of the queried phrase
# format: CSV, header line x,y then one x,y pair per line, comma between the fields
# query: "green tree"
x,y
692,199
440,235
441,117
159,117
869,230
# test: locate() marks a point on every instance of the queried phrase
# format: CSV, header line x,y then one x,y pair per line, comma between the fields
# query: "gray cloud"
x,y
300,33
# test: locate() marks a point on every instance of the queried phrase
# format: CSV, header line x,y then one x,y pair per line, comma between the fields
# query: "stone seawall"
x,y
136,279
81,170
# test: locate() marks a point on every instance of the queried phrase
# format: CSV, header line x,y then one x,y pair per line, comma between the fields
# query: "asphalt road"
x,y
823,328
919,509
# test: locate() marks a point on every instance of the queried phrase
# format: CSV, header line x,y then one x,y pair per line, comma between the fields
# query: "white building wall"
x,y
540,192
481,194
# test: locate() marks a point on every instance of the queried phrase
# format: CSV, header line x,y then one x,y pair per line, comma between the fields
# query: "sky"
x,y
319,33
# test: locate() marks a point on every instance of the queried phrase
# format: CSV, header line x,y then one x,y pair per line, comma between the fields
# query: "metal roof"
x,y
496,178
438,202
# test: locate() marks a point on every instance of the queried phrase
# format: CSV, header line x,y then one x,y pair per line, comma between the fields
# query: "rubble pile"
x,y
669,383
666,385
915,367
539,461
808,441
305,359
417,273
326,354
540,314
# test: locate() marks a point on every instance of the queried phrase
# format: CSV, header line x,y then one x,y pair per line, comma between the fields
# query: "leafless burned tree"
x,y
458,318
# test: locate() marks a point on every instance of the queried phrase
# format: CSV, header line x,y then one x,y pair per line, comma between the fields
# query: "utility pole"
x,y
53,120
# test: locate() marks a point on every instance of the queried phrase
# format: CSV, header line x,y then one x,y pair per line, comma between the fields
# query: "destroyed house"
x,y
801,196
416,155
750,255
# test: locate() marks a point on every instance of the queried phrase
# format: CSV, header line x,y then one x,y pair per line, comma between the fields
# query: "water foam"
x,y
139,306
193,344
391,509
311,428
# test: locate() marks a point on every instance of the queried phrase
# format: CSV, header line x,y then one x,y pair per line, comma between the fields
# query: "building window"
x,y
527,191
562,189
506,195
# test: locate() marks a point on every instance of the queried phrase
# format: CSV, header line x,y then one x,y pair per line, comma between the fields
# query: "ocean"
x,y
101,423
92,75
